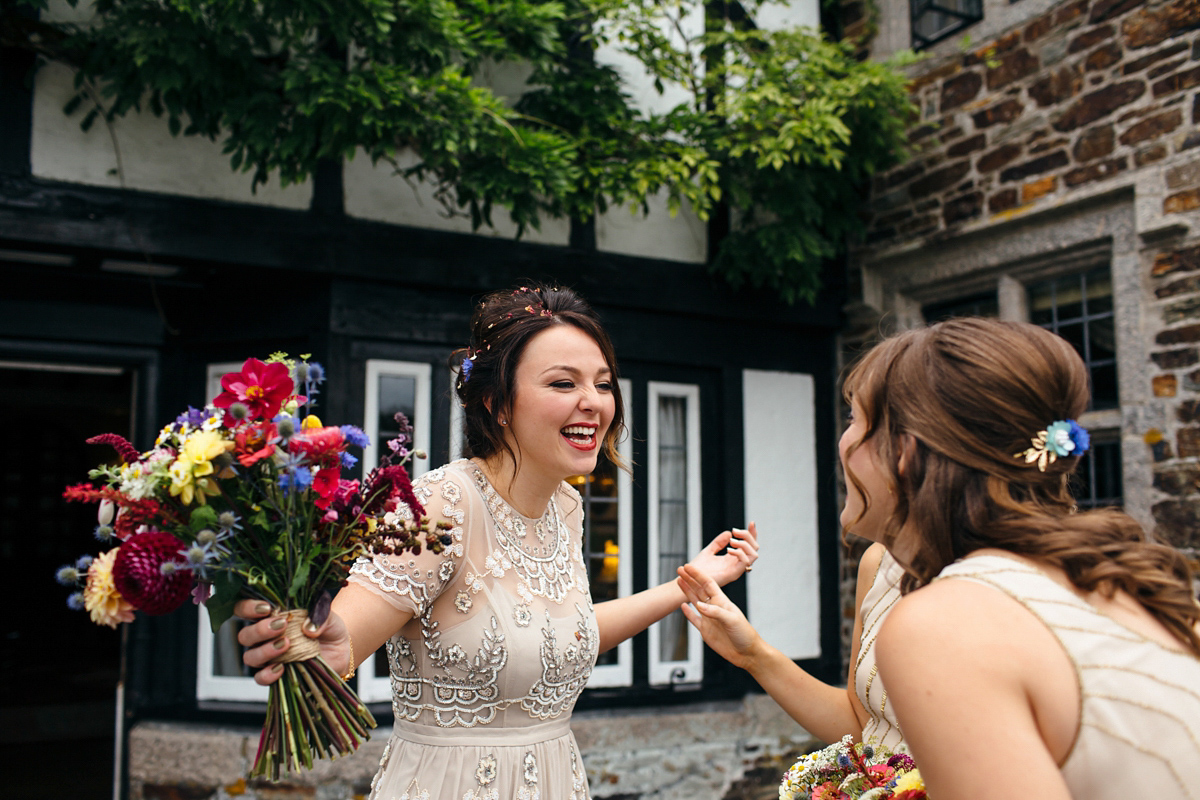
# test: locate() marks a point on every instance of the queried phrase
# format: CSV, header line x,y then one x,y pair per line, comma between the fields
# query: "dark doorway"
x,y
58,701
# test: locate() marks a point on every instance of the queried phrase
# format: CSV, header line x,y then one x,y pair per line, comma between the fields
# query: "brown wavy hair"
x,y
960,399
503,324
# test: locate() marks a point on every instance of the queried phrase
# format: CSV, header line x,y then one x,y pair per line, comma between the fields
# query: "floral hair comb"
x,y
1061,439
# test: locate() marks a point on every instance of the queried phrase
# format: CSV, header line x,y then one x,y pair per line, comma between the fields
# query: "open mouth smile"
x,y
581,437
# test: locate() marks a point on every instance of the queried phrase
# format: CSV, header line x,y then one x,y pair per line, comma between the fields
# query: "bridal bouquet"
x,y
850,771
245,498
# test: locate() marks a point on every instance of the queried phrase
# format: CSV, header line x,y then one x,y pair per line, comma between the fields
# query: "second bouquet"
x,y
246,498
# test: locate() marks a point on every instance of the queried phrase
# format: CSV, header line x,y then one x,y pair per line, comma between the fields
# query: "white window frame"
x,y
372,689
690,670
621,673
240,688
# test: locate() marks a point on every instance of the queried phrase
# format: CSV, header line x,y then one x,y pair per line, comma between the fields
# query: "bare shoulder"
x,y
868,567
967,622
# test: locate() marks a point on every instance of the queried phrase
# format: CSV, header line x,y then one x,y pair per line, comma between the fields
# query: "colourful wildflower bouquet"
x,y
246,499
853,771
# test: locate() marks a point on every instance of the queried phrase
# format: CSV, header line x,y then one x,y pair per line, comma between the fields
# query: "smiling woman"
x,y
491,641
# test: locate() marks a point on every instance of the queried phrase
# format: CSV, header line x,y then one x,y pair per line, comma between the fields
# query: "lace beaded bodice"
x,y
503,631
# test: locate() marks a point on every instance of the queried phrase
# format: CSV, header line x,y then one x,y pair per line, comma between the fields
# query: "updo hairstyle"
x,y
502,326
960,399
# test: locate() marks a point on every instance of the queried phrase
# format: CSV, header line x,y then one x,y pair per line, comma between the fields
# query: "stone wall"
x,y
1083,105
1069,101
711,751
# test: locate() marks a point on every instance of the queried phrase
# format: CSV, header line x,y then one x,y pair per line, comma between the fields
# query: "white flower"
x,y
485,773
446,570
522,616
462,601
531,769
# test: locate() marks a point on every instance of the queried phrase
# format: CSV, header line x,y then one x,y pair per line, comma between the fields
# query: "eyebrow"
x,y
575,370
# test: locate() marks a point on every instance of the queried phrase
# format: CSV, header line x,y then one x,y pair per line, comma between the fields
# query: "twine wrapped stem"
x,y
302,647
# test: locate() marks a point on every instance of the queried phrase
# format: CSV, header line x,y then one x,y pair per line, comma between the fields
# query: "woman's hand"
x,y
721,623
740,552
265,639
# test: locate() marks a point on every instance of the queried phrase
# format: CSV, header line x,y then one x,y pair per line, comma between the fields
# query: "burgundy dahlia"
x,y
139,579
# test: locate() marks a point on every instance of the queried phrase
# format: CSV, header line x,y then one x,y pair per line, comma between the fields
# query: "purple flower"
x,y
355,436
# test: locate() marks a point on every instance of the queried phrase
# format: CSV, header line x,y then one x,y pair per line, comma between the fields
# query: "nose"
x,y
588,398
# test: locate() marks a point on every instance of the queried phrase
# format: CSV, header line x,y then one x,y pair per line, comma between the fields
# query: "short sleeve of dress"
x,y
412,582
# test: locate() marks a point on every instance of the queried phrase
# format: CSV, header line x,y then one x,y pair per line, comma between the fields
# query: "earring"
x,y
503,422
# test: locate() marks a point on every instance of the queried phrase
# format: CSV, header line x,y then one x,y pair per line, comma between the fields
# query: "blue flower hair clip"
x,y
467,363
1061,439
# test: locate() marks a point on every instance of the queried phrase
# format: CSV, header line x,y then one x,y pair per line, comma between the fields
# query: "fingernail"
x,y
262,608
278,668
278,624
280,643
310,626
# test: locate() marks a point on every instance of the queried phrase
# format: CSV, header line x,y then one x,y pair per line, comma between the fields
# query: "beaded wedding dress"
x,y
502,641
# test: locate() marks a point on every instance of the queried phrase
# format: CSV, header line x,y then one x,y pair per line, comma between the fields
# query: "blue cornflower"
x,y
355,436
348,461
75,602
467,365
295,478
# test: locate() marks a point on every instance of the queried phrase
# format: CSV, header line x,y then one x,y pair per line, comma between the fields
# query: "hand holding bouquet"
x,y
850,771
245,499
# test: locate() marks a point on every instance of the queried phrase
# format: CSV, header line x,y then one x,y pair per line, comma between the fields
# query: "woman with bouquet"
x,y
1040,651
491,641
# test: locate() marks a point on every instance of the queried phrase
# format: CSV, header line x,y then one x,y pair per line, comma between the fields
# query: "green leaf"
x,y
227,590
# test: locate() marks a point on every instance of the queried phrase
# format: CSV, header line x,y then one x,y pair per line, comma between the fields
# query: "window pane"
x,y
397,393
1097,481
1080,309
934,20
672,515
983,305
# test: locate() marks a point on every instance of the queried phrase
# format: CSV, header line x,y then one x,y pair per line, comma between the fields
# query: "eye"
x,y
563,384
604,386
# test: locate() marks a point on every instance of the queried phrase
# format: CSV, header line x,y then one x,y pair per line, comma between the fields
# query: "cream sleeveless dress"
x,y
502,642
1139,732
879,600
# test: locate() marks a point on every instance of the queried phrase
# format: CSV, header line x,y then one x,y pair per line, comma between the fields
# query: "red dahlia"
x,y
139,579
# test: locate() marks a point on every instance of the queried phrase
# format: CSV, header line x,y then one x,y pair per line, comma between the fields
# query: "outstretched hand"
x,y
722,624
729,555
265,639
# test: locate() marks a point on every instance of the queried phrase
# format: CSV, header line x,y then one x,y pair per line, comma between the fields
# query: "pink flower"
x,y
828,791
262,388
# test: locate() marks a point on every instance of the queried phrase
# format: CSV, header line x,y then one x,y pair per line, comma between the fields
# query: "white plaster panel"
x,y
657,234
376,192
783,592
152,159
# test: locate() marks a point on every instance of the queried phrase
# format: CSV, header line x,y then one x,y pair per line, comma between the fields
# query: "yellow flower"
x,y
311,421
100,595
909,780
189,471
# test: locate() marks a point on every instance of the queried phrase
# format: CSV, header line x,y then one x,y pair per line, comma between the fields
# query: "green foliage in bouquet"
x,y
245,498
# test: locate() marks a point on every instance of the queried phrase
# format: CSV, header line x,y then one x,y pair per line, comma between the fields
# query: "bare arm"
x,y
962,670
624,617
828,712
